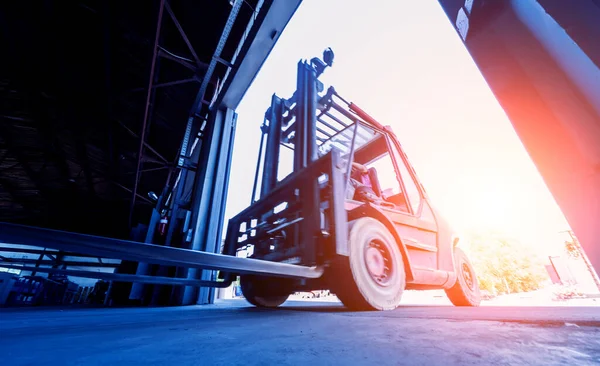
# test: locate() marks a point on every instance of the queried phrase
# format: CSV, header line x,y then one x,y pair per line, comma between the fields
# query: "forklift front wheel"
x,y
262,292
373,276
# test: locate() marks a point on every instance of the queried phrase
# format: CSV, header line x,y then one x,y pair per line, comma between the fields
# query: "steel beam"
x,y
183,62
131,191
146,112
183,35
198,103
146,145
213,62
263,31
167,83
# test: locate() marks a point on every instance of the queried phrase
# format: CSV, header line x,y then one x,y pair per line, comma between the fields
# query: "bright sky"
x,y
403,63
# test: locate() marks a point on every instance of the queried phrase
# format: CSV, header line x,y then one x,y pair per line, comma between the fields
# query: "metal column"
x,y
305,152
210,191
270,167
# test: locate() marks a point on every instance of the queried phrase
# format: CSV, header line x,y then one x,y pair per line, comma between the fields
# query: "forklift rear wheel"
x,y
258,292
373,276
465,291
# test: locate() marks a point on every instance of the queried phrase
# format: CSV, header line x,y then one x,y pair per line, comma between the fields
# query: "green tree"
x,y
572,249
504,265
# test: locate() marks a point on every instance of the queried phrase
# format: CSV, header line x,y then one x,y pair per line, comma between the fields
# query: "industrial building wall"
x,y
541,62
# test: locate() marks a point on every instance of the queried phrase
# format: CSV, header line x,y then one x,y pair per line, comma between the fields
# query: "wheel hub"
x,y
466,272
375,262
378,263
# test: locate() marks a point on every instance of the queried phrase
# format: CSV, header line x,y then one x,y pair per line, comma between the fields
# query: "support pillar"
x,y
210,194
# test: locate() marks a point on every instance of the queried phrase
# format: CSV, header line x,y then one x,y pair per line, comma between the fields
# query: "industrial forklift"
x,y
335,195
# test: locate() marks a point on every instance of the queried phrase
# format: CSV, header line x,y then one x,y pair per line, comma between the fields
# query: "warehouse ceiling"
x,y
74,101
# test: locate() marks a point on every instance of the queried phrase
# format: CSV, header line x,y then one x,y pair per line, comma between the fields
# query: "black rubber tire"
x,y
257,292
350,278
461,294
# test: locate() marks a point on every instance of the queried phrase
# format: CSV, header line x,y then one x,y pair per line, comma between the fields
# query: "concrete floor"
x,y
232,333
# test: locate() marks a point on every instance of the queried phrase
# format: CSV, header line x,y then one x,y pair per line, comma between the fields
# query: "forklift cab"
x,y
375,167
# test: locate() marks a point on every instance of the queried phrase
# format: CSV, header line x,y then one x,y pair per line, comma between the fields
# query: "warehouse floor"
x,y
232,333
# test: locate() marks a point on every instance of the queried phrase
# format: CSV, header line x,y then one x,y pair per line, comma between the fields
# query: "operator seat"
x,y
365,186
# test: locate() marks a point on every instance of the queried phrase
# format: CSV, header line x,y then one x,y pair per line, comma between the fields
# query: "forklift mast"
x,y
302,218
304,123
301,109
